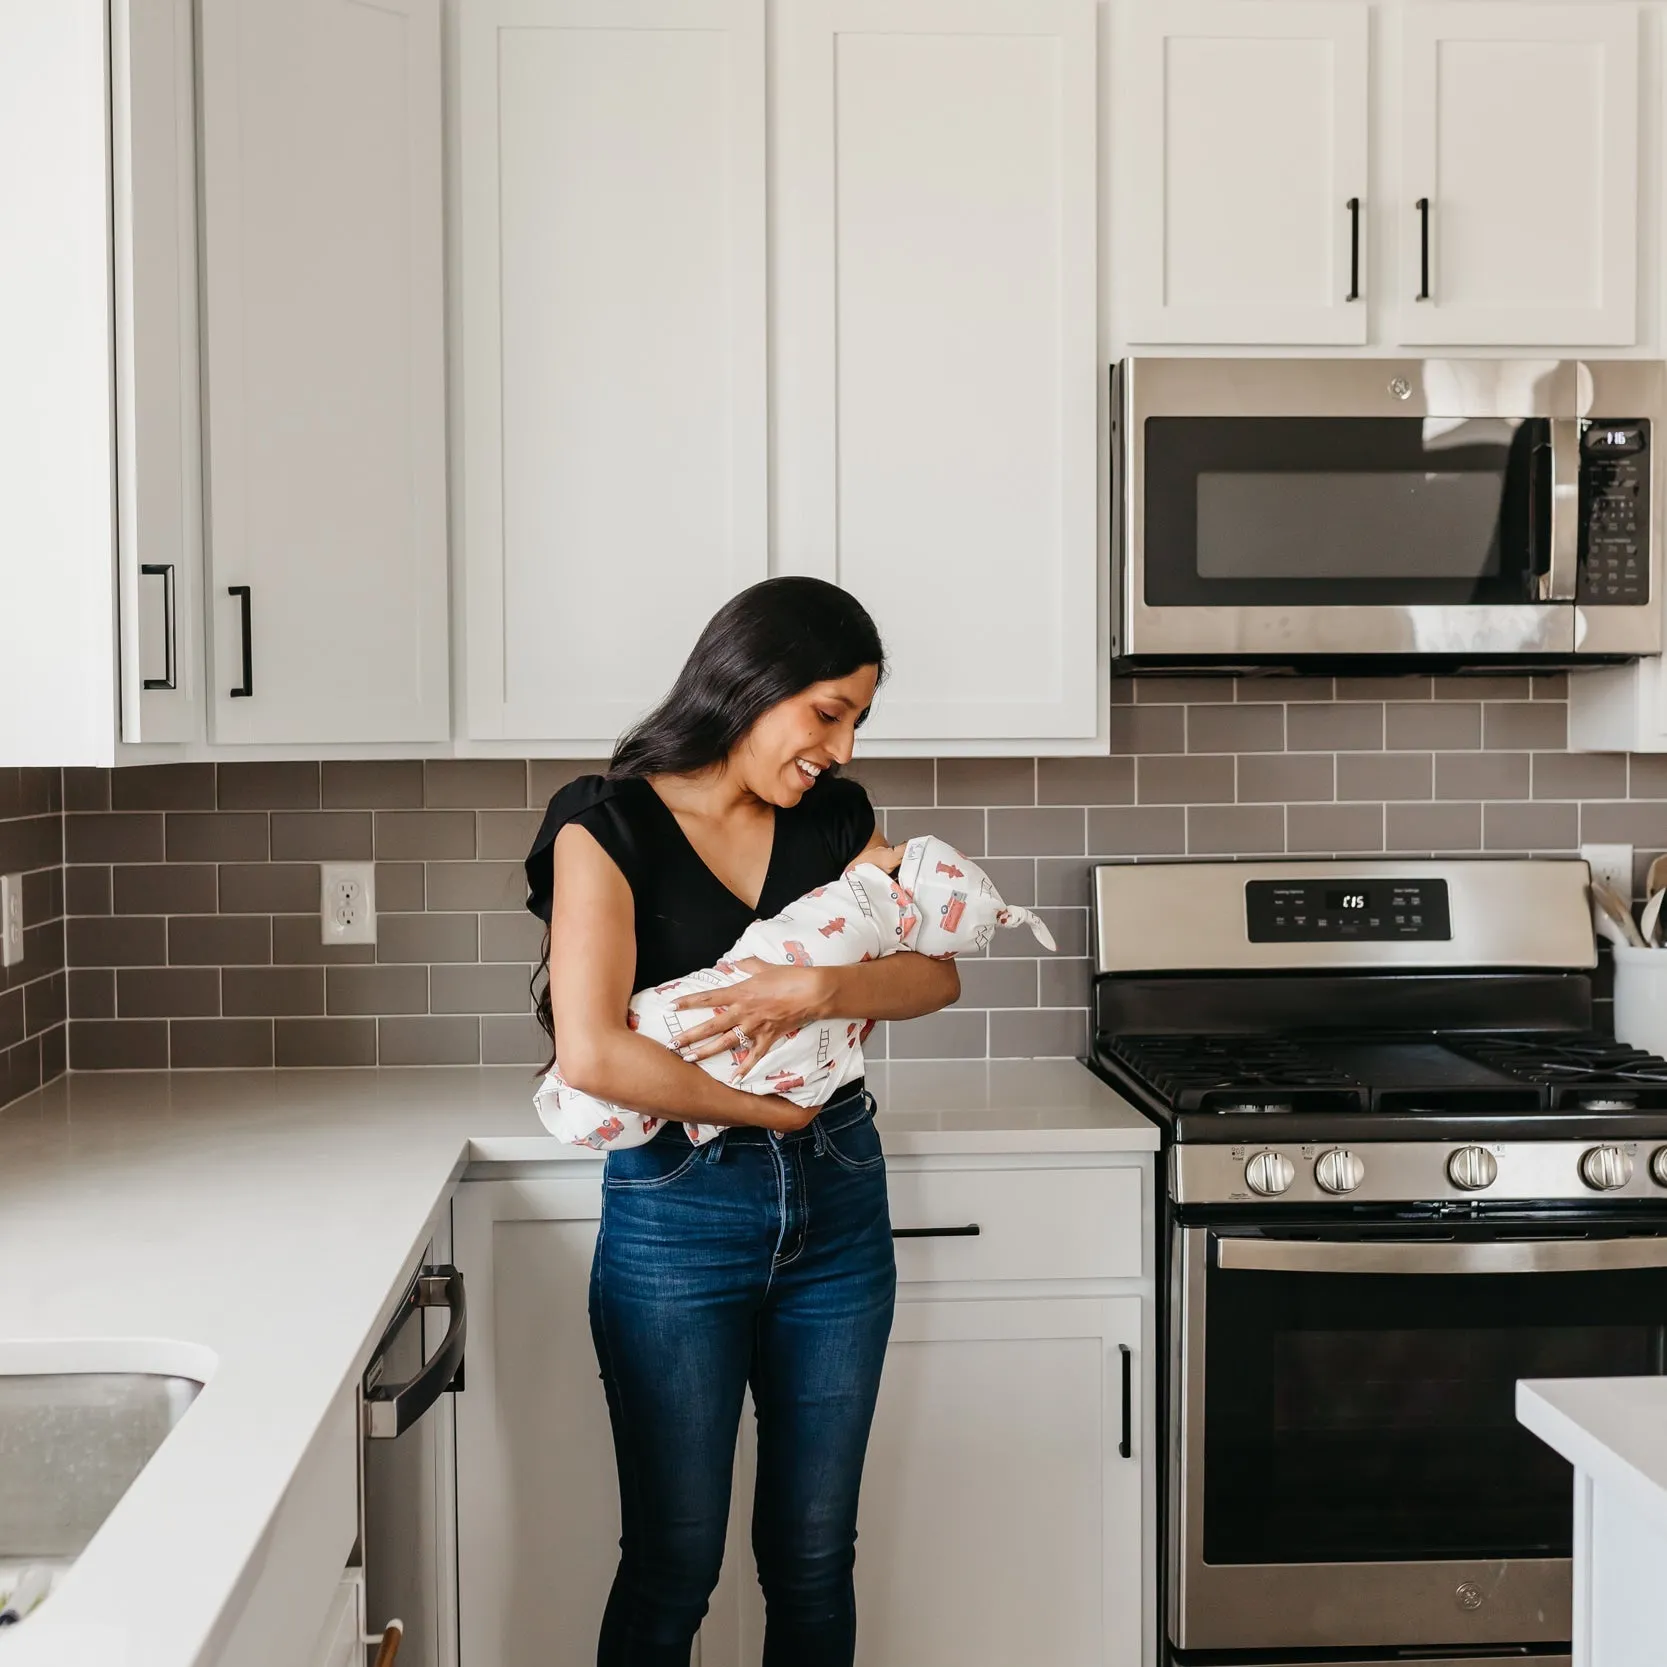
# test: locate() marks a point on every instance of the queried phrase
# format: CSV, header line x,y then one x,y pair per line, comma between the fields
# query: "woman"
x,y
764,1257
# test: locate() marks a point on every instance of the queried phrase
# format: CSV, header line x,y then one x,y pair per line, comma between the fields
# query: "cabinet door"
x,y
537,1496
999,1521
325,354
937,369
159,533
1520,134
1245,164
613,349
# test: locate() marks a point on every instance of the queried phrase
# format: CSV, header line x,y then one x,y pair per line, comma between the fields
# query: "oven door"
x,y
1315,508
1346,1468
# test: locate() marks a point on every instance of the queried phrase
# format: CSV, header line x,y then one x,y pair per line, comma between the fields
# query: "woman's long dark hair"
x,y
760,648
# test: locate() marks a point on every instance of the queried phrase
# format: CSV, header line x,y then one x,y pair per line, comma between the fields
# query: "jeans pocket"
x,y
855,1145
658,1164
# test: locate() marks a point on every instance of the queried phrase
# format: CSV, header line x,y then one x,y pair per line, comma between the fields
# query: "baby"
x,y
923,896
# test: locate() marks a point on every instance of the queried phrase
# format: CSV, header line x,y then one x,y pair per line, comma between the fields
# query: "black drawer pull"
x,y
1354,250
1423,207
1125,1446
247,687
970,1231
165,572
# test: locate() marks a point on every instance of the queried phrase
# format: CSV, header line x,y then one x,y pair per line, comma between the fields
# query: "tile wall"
x,y
32,1003
191,891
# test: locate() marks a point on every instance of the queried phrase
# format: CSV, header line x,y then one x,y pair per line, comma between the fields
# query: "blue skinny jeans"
x,y
758,1259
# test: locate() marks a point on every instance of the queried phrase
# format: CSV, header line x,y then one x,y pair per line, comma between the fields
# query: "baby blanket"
x,y
937,903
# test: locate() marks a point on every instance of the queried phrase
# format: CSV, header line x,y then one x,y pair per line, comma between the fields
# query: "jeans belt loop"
x,y
820,1136
715,1146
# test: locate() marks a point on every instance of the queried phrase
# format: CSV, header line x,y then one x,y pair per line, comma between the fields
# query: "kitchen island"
x,y
255,1231
1614,1432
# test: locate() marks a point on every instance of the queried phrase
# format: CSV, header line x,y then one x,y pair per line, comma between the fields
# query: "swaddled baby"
x,y
933,901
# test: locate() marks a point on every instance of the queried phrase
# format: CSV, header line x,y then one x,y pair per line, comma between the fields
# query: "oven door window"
x,y
1371,1417
1340,511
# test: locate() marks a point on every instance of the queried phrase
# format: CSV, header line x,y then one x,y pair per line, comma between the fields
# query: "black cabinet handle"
x,y
391,1409
1423,206
1126,1446
1354,250
165,572
247,687
970,1231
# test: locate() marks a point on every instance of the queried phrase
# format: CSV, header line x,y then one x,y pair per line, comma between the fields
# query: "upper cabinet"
x,y
936,365
1506,202
324,340
613,324
1245,170
1519,174
99,492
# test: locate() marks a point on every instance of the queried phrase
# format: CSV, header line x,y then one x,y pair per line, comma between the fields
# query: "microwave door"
x,y
1314,536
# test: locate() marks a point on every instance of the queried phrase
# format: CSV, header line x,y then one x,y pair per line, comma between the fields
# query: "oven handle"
x,y
1401,1256
1558,582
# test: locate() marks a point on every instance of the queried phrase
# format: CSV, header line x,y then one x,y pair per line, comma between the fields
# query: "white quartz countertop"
x,y
253,1229
1615,1429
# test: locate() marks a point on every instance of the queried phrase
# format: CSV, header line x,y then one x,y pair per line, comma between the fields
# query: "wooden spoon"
x,y
1613,918
1656,879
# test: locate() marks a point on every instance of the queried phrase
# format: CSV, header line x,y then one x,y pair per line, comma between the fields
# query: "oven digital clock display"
x,y
1370,911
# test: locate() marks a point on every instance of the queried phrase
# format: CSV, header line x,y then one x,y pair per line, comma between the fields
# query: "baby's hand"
x,y
887,857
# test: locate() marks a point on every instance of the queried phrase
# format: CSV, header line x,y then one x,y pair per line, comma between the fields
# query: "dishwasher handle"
x,y
391,1409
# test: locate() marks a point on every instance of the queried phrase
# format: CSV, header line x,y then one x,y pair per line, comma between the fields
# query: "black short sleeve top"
x,y
686,917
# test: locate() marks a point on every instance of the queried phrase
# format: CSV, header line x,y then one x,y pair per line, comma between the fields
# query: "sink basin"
x,y
71,1444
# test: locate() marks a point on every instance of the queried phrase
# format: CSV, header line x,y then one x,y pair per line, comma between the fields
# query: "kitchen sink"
x,y
71,1444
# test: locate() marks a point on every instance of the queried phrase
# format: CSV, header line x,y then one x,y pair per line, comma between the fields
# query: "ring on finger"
x,y
742,1039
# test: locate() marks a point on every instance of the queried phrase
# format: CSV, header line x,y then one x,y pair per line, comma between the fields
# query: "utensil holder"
x,y
1641,998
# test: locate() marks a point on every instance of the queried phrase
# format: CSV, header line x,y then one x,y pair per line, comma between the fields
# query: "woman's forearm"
x,y
638,1073
902,986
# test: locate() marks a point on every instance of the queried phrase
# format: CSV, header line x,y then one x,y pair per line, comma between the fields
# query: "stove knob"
x,y
1604,1168
1658,1166
1339,1170
1269,1173
1472,1168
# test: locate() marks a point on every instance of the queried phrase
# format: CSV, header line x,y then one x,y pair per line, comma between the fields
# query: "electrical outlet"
x,y
1613,865
11,919
347,904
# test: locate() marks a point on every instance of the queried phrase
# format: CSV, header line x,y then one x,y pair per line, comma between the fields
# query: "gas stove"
x,y
1402,1170
1388,1031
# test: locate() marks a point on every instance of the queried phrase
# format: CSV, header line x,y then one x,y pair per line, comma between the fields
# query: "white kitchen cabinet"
x,y
1243,166
613,319
325,370
1518,206
100,537
1619,708
936,370
1000,1520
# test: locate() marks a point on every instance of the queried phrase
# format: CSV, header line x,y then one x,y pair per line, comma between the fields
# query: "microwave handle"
x,y
1557,583
1443,1256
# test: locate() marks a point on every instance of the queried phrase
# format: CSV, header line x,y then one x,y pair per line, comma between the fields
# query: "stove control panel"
x,y
1283,1174
1344,910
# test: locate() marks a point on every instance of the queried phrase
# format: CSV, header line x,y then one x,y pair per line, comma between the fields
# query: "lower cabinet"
x,y
1001,1522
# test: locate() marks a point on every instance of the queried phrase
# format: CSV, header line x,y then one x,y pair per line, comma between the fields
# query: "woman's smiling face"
x,y
788,747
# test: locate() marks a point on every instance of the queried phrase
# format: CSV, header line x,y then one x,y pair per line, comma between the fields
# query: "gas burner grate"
x,y
1243,1074
1589,1073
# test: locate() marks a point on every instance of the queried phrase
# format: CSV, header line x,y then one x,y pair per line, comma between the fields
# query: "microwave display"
x,y
1614,512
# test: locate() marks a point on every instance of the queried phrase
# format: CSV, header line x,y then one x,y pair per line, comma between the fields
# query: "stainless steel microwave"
x,y
1454,512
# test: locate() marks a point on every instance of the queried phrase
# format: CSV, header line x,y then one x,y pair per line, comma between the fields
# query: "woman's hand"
x,y
770,1003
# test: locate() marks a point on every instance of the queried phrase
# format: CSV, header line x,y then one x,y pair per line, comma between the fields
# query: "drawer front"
x,y
1032,1223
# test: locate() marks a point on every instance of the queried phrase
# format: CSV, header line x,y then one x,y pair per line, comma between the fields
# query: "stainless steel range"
x,y
1401,1172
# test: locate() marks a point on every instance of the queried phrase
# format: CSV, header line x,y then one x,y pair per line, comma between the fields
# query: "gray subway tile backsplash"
x,y
184,898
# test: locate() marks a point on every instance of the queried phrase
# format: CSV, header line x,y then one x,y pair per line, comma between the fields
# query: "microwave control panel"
x,y
1346,911
1614,512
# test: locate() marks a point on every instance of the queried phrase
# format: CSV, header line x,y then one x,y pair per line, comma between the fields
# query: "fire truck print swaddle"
x,y
938,903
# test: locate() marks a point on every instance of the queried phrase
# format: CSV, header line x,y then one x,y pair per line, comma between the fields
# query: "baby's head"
x,y
958,906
